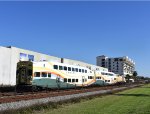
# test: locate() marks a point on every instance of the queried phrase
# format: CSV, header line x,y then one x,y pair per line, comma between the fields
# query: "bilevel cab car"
x,y
106,78
60,75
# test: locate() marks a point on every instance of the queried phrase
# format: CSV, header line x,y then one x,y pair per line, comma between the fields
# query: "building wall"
x,y
9,57
5,61
118,65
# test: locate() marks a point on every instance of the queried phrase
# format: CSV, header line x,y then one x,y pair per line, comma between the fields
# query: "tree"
x,y
128,77
134,75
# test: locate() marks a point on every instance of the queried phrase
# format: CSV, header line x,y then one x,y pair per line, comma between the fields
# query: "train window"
x,y
76,80
44,74
65,79
60,67
73,69
55,66
76,69
69,80
108,80
65,68
79,70
90,77
102,73
82,80
105,80
85,80
49,74
85,71
73,80
82,70
99,77
69,68
37,74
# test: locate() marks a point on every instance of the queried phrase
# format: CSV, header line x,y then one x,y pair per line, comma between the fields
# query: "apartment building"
x,y
119,65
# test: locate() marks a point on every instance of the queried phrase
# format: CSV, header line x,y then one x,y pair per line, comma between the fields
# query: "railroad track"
x,y
7,94
12,96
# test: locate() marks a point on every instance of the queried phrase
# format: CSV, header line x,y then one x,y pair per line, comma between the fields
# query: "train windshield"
x,y
37,74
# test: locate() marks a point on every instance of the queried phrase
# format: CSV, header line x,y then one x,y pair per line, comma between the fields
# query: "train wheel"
x,y
34,88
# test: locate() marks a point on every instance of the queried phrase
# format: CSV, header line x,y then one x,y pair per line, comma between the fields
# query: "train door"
x,y
24,73
83,80
58,81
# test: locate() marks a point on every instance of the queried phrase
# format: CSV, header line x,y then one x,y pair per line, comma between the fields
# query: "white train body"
x,y
53,75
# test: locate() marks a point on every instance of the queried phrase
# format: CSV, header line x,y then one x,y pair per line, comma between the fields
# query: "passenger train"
x,y
59,75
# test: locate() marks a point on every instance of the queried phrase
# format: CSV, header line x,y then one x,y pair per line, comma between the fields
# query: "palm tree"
x,y
134,75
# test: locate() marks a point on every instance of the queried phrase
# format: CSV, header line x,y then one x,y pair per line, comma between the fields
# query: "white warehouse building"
x,y
119,65
10,56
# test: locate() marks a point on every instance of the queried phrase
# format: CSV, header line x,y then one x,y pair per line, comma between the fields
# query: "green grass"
x,y
133,101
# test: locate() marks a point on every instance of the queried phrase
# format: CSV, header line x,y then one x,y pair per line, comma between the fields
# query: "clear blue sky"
x,y
79,30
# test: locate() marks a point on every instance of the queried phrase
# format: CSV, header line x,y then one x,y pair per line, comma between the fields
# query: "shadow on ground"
x,y
145,87
135,95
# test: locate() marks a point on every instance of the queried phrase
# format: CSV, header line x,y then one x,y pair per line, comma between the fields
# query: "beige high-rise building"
x,y
119,65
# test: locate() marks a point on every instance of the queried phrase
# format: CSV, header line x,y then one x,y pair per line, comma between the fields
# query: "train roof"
x,y
63,64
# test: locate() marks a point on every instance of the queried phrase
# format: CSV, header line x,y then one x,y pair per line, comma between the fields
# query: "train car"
x,y
59,75
24,73
107,78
